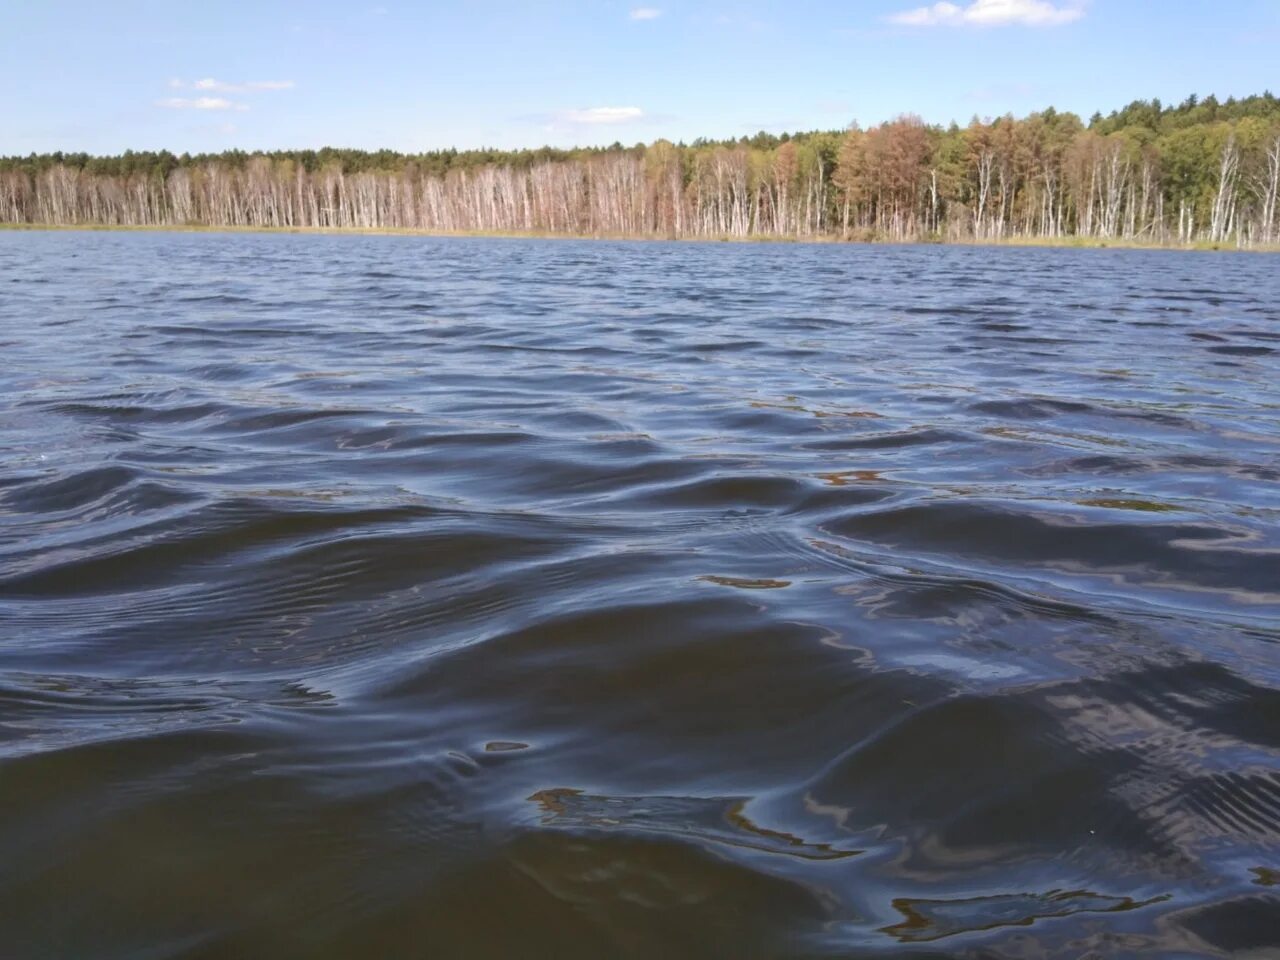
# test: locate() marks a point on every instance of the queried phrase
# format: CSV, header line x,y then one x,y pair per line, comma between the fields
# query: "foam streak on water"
x,y
403,597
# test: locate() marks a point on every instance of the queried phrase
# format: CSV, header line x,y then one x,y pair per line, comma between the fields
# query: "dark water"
x,y
391,597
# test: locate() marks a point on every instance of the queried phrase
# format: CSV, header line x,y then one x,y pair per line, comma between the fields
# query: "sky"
x,y
106,77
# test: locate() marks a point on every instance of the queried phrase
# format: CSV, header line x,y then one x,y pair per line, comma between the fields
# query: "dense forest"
x,y
1203,170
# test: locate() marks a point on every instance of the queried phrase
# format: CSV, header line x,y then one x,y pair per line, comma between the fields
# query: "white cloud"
x,y
645,13
598,116
208,83
200,103
991,13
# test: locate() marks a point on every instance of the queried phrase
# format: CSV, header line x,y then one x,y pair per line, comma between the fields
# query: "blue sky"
x,y
104,77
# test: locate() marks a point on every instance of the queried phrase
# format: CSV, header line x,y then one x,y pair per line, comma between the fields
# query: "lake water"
x,y
406,597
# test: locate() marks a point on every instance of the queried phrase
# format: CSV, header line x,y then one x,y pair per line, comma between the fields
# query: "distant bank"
x,y
1066,242
1202,172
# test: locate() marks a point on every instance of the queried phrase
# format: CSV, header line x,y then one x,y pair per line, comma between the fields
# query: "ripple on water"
x,y
366,596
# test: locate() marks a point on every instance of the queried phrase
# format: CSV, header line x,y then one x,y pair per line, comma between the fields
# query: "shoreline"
x,y
1069,242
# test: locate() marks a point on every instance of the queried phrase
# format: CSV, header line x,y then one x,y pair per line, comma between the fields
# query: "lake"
x,y
413,597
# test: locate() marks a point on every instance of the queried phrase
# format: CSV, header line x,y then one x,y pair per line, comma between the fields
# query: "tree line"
x,y
1202,170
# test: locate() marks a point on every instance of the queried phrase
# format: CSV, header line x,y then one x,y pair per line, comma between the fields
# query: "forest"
x,y
1203,171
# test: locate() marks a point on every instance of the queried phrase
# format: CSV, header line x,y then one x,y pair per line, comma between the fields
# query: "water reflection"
x,y
381,596
925,920
711,819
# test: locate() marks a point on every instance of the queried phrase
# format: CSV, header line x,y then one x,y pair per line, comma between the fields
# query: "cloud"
x,y
645,13
591,122
211,84
218,86
991,13
200,103
600,116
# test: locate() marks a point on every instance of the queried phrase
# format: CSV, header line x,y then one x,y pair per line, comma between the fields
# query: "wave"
x,y
369,595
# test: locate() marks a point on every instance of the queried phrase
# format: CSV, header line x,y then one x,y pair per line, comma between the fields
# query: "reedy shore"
x,y
862,238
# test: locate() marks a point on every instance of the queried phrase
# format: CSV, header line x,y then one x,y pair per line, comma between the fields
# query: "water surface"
x,y
404,597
